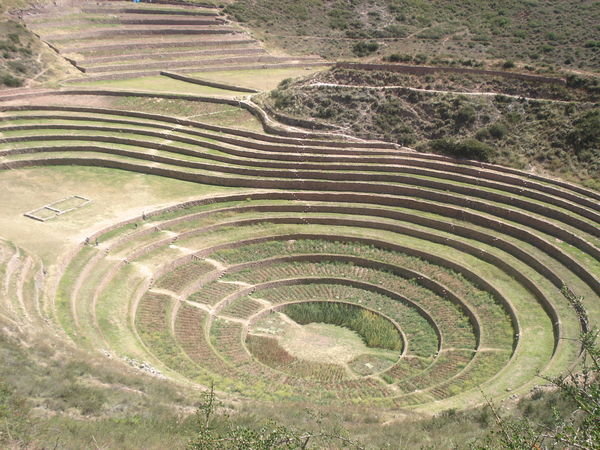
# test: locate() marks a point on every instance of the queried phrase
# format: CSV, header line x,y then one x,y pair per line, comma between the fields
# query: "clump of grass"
x,y
375,330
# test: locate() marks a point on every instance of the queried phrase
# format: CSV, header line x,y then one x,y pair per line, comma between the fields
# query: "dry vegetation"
x,y
545,33
526,128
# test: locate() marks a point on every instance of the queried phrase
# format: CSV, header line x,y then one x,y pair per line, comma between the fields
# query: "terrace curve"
x,y
469,260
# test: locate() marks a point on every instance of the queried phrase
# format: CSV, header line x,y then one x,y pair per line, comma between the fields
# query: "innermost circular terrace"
x,y
334,336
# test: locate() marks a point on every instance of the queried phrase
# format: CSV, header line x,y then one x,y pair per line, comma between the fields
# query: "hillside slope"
x,y
554,32
527,125
25,61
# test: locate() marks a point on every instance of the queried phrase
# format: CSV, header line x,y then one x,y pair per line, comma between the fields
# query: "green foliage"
x,y
498,130
591,84
10,81
586,132
365,48
13,418
376,331
468,148
464,116
386,120
548,33
558,137
397,57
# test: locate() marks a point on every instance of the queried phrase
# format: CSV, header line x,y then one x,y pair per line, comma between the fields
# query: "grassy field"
x,y
159,84
259,79
27,190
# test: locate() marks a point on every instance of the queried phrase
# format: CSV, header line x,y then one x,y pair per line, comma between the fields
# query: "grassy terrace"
x,y
174,136
177,240
93,38
223,244
269,264
586,244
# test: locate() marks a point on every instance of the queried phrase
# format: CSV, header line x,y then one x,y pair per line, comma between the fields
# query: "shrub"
x,y
396,57
284,83
395,31
498,130
420,58
508,64
482,134
365,48
469,149
586,132
464,116
10,81
587,83
282,99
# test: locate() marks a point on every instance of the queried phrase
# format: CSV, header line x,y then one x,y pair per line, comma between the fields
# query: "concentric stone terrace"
x,y
468,261
111,40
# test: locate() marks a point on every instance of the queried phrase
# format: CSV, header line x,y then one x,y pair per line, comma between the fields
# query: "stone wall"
x,y
425,70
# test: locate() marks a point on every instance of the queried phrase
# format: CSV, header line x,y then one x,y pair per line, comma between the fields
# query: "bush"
x,y
420,58
284,83
464,116
395,57
365,48
498,130
469,149
396,31
10,81
592,44
508,65
586,132
587,83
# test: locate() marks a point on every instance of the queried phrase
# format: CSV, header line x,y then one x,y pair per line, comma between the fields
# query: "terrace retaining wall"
x,y
425,70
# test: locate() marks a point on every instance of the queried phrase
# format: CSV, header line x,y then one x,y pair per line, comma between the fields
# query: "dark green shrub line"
x,y
467,148
375,330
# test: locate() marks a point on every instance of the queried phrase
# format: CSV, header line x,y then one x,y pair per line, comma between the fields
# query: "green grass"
x,y
259,79
422,338
159,84
270,352
63,296
376,331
